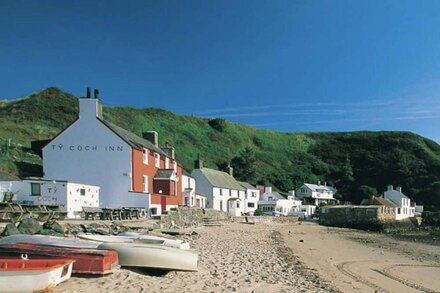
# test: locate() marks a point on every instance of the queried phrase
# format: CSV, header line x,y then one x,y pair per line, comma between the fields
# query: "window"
x,y
167,163
238,204
145,156
153,211
145,183
36,189
221,205
175,188
82,191
157,157
398,211
221,191
251,205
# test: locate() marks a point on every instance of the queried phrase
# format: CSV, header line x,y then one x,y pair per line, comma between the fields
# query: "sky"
x,y
289,66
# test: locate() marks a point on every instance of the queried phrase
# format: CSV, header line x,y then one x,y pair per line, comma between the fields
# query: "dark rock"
x,y
10,229
301,240
29,226
54,226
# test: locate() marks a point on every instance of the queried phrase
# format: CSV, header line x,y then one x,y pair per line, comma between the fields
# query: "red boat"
x,y
87,261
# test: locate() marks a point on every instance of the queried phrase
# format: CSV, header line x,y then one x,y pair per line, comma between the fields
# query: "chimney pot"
x,y
198,164
390,188
88,95
96,94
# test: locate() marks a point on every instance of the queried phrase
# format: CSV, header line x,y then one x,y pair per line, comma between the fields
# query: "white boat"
x,y
134,254
136,237
48,240
33,275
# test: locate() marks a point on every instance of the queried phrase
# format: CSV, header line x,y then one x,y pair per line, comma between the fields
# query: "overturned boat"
x,y
133,254
22,275
137,237
88,261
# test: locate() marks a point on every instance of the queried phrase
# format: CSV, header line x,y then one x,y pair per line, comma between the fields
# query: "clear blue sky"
x,y
284,65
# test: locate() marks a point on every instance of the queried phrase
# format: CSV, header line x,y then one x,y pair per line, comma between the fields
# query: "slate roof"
x,y
221,179
132,139
164,173
276,195
186,173
8,177
246,185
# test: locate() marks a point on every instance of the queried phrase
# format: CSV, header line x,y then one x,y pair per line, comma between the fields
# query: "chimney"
x,y
198,164
96,94
151,136
319,182
291,192
268,189
88,107
230,170
169,150
325,183
399,189
390,188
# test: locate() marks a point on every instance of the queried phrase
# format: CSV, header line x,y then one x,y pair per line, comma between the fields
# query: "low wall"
x,y
358,217
191,217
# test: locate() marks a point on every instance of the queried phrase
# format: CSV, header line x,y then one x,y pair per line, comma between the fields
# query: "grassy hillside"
x,y
358,163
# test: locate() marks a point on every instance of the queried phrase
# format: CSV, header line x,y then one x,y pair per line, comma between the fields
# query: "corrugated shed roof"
x,y
8,177
221,179
246,185
132,139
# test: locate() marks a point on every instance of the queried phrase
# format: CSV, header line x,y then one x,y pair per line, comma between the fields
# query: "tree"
x,y
244,165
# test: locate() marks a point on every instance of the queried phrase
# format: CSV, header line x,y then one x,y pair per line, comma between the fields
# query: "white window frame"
x,y
157,160
145,183
145,153
175,166
167,163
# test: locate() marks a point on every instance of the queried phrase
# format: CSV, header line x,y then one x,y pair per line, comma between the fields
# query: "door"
x,y
163,204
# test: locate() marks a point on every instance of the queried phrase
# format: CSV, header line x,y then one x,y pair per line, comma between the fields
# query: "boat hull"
x,y
153,256
18,275
140,238
88,261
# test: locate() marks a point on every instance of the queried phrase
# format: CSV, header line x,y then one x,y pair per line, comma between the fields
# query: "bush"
x,y
218,124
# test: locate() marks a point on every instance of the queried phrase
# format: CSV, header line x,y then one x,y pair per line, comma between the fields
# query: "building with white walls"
x,y
316,194
273,203
132,171
404,209
69,196
189,195
251,198
221,190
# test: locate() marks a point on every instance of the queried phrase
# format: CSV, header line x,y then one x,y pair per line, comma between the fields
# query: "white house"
x,y
273,203
189,195
221,190
404,209
251,198
316,194
69,196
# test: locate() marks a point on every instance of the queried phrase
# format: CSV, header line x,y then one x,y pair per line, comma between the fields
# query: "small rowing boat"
x,y
88,261
132,254
136,237
22,275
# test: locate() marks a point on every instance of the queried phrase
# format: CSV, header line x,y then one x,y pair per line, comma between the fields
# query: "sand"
x,y
275,257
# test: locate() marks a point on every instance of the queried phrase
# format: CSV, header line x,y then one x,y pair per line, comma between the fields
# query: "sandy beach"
x,y
290,257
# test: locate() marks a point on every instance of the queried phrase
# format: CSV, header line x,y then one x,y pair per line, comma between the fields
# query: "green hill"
x,y
357,163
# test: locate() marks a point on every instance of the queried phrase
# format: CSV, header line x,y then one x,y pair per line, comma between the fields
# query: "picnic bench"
x,y
125,213
92,213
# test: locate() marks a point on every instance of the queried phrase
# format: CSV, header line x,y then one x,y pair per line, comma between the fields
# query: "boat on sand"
x,y
88,261
22,275
136,237
133,254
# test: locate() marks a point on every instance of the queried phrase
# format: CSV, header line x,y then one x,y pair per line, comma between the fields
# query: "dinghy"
x,y
48,240
33,275
132,254
136,237
88,261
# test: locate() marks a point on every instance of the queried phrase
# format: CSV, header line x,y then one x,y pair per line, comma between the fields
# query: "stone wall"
x,y
359,217
192,217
